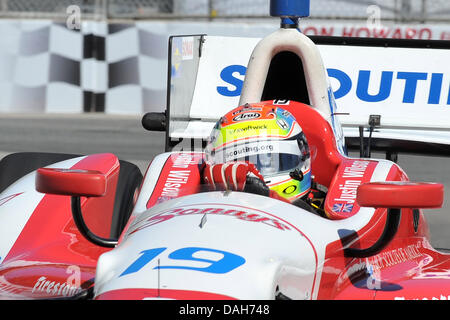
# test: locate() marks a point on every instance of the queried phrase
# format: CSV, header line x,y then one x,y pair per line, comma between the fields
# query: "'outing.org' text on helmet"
x,y
269,137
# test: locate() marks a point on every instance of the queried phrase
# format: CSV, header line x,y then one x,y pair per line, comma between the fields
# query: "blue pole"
x,y
289,11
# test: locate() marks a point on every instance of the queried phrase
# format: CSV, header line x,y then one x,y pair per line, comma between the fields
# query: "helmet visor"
x,y
273,163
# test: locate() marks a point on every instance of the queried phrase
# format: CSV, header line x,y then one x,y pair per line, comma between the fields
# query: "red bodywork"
x,y
50,255
51,258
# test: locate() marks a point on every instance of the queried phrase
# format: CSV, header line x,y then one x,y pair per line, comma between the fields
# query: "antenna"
x,y
159,278
289,11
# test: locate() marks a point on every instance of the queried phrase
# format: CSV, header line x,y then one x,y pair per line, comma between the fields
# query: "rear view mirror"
x,y
394,195
400,194
71,182
75,183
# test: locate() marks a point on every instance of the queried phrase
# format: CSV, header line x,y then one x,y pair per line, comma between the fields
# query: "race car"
x,y
92,227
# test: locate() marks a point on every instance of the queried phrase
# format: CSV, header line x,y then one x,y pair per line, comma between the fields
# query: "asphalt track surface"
x,y
125,137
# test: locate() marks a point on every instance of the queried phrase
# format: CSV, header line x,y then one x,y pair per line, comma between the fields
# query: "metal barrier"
x,y
390,10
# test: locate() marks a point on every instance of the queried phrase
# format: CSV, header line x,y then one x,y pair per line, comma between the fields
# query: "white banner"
x,y
403,85
382,30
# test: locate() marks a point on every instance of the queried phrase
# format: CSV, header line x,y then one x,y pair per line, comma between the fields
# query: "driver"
x,y
261,148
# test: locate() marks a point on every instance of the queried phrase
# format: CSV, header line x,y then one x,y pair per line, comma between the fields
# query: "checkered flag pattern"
x,y
112,68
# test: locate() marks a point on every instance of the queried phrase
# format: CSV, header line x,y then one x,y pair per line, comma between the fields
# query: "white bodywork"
x,y
319,89
283,246
287,256
293,41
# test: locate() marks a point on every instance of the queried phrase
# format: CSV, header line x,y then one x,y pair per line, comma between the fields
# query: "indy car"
x,y
93,227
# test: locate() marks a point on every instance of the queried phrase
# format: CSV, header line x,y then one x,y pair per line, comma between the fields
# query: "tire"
x,y
130,179
16,165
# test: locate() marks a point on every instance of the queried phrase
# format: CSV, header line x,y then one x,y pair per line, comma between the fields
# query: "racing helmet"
x,y
269,137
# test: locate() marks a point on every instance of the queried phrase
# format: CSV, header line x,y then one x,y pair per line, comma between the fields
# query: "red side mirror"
x,y
400,194
71,182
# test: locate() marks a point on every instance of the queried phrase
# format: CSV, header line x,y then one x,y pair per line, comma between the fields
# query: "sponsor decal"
x,y
245,109
55,288
286,113
341,199
248,150
353,175
250,127
229,75
69,288
432,84
280,102
342,207
247,116
290,189
396,256
174,181
404,32
412,82
273,148
187,48
178,176
176,57
372,267
282,124
244,215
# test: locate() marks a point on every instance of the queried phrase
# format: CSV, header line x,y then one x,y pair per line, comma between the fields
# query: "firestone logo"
x,y
67,289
